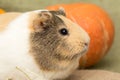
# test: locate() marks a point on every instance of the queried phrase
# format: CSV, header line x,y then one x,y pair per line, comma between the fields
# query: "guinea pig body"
x,y
44,43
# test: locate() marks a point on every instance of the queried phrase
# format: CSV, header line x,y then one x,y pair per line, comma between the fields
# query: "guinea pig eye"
x,y
63,31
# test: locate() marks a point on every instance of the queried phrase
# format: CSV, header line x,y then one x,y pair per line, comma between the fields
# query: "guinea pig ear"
x,y
62,11
41,22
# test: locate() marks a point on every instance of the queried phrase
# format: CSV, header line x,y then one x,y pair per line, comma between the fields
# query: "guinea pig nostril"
x,y
86,44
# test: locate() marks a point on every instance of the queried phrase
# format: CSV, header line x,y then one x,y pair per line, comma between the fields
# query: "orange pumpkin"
x,y
98,25
2,11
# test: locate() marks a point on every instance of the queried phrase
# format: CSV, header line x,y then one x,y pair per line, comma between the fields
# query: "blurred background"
x,y
111,61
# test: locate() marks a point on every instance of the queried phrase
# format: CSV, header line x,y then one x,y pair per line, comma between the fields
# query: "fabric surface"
x,y
94,75
111,61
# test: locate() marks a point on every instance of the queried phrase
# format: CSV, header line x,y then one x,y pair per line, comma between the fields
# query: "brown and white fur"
x,y
33,43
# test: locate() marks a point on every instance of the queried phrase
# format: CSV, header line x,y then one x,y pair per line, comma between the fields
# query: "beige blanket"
x,y
94,75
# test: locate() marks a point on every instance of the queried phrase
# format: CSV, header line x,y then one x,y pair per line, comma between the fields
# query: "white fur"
x,y
14,47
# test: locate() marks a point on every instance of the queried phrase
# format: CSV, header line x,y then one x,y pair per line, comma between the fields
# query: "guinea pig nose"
x,y
86,44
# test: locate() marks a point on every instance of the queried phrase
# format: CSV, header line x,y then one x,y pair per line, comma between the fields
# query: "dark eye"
x,y
63,31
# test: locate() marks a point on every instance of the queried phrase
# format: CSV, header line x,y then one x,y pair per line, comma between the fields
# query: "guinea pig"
x,y
42,42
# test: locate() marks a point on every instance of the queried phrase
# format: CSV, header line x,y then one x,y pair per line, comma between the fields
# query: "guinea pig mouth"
x,y
84,50
81,53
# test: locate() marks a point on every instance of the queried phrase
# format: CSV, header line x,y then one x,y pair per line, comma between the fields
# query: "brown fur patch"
x,y
6,18
44,44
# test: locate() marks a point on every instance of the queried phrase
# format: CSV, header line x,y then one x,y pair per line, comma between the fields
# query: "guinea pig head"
x,y
54,36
